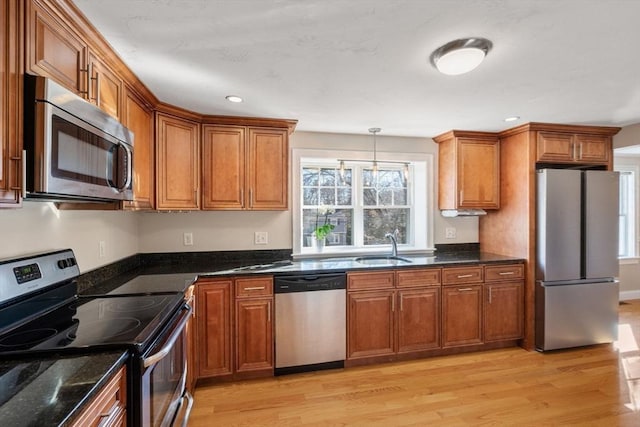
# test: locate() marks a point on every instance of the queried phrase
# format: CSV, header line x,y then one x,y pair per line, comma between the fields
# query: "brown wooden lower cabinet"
x,y
254,334
370,329
503,311
418,319
108,408
235,327
214,311
461,315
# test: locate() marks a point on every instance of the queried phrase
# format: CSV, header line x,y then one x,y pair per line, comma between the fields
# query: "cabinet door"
x,y
370,328
268,169
254,334
461,315
478,173
503,311
10,105
214,308
105,87
177,163
555,147
138,118
223,167
593,149
418,319
54,50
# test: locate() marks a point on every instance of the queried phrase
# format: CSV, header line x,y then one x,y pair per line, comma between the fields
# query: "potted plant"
x,y
321,231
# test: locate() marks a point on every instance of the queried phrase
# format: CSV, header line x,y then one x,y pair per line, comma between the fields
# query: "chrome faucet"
x,y
394,242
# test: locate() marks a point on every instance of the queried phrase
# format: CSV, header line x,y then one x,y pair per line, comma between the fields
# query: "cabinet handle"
x,y
242,197
506,273
573,149
401,302
251,198
580,152
85,93
96,90
464,289
393,304
462,276
268,311
253,288
490,294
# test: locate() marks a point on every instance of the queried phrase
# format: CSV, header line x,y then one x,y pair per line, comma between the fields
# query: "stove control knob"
x,y
62,264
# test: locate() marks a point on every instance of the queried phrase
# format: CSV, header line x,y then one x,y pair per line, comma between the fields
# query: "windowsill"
x,y
329,252
629,260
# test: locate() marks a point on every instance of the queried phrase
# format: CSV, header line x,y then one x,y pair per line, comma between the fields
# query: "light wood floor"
x,y
594,386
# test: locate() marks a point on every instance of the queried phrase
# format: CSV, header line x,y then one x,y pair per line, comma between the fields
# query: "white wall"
x,y
629,275
39,226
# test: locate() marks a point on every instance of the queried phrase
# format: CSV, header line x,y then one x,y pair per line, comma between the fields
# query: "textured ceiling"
x,y
347,65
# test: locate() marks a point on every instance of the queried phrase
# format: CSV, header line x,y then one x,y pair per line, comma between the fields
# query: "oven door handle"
x,y
156,357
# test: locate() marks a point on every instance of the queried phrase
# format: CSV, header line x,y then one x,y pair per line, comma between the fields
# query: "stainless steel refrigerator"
x,y
577,258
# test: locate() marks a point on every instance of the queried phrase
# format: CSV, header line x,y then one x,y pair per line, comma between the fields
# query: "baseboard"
x,y
627,295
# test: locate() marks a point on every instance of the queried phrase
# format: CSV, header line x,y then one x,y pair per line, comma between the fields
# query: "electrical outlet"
x,y
187,239
102,248
450,233
261,238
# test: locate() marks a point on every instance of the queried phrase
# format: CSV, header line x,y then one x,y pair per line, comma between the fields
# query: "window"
x,y
627,212
361,205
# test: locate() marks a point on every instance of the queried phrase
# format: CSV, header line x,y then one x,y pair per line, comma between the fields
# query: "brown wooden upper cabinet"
x,y
558,147
244,168
177,163
55,50
138,117
10,105
469,170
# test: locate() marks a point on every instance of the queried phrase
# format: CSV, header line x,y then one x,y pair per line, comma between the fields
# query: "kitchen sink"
x,y
382,259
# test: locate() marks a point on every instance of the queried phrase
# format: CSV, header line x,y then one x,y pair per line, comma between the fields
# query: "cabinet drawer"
x,y
254,286
108,406
411,278
382,280
496,273
454,276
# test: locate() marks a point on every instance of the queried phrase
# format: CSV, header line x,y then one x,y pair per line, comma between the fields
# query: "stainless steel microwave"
x,y
72,149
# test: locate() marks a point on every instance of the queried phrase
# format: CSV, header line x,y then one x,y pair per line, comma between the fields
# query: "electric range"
x,y
41,314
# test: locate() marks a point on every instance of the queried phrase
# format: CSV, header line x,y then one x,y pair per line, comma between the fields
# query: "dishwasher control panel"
x,y
310,282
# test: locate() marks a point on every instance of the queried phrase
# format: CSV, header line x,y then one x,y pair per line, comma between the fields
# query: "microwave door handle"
x,y
127,181
160,354
109,172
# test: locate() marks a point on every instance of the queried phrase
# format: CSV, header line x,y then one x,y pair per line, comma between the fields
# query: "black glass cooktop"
x,y
107,322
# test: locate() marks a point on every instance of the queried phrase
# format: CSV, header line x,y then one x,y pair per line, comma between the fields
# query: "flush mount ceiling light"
x,y
460,56
233,98
512,119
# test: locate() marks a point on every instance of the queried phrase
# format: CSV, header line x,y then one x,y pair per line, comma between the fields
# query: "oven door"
x,y
164,374
77,160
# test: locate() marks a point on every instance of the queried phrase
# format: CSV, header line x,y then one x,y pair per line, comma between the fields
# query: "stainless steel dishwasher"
x,y
310,322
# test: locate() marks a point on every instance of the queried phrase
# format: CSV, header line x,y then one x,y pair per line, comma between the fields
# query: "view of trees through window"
x,y
362,205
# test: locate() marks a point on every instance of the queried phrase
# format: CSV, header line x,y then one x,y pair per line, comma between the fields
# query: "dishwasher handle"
x,y
309,283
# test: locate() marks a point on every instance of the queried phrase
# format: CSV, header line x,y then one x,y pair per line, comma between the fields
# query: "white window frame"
x,y
421,189
633,214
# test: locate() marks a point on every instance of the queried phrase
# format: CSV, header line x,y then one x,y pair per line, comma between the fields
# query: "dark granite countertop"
x,y
343,264
52,391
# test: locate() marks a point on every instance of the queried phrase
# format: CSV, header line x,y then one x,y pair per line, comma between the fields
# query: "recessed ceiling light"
x,y
233,98
460,56
512,119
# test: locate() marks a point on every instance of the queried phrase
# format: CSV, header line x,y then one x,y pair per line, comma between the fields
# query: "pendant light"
x,y
374,162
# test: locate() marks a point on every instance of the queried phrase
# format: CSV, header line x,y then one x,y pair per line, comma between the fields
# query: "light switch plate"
x,y
450,233
187,239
